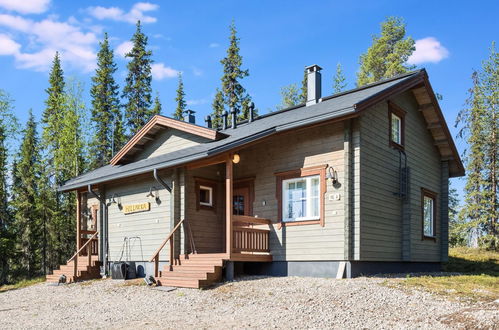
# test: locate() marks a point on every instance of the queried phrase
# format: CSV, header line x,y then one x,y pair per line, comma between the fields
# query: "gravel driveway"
x,y
252,302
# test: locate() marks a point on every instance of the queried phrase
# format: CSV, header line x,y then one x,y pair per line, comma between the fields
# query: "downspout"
x,y
172,202
103,227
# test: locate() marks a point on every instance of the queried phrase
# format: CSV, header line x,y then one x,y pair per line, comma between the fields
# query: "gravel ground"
x,y
251,302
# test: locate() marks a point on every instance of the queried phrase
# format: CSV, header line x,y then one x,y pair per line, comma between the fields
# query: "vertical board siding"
x,y
305,148
169,140
151,227
207,225
381,223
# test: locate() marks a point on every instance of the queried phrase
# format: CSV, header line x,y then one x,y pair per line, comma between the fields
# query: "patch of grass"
x,y
477,278
474,287
135,282
473,261
21,284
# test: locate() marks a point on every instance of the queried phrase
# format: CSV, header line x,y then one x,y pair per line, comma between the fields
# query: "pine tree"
x,y
157,107
234,93
137,90
218,107
25,202
106,112
304,87
339,80
289,97
180,99
388,54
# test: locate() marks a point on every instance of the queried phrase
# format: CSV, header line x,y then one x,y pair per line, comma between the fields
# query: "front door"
x,y
241,201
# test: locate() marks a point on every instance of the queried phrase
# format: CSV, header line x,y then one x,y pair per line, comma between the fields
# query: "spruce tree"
x,y
180,99
339,80
6,237
157,107
289,97
234,93
304,87
218,107
53,109
26,204
388,54
106,111
137,90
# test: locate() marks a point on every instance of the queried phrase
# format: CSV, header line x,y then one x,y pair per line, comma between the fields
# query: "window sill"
x,y
429,238
395,145
299,223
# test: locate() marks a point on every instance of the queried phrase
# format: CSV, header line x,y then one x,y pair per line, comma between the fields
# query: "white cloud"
x,y
25,6
160,71
197,71
197,102
428,50
8,46
136,13
124,48
48,36
214,45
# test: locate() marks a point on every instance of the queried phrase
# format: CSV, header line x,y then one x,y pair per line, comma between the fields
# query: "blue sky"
x,y
278,38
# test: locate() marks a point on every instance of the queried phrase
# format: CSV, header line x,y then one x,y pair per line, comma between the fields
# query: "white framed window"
x,y
300,198
428,213
396,129
205,196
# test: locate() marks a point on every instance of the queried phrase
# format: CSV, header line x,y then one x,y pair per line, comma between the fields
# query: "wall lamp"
x,y
332,175
154,195
114,201
236,158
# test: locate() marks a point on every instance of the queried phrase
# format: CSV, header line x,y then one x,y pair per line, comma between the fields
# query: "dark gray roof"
x,y
331,107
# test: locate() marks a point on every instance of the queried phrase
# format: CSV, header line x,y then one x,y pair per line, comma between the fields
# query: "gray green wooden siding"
x,y
169,140
150,226
381,220
305,148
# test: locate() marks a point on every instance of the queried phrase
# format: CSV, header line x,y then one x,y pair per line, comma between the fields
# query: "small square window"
x,y
205,196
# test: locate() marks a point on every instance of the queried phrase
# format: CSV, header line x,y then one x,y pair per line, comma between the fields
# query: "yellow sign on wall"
x,y
133,208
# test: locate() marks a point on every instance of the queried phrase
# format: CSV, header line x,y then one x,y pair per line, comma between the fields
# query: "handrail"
x,y
83,246
165,241
155,256
250,220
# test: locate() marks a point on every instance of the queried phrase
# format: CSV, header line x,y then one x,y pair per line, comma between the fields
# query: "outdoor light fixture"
x,y
154,195
236,158
113,200
332,175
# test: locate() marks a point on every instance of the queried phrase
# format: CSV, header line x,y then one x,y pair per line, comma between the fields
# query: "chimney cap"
x,y
313,68
190,111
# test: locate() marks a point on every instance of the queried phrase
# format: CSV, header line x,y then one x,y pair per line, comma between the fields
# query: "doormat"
x,y
164,288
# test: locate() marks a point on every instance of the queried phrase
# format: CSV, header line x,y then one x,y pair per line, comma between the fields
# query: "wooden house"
x,y
349,184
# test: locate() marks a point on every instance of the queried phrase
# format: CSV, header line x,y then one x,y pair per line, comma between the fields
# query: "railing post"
x,y
75,267
228,205
89,253
156,266
171,254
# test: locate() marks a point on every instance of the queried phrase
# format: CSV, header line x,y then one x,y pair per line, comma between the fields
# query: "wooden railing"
x,y
94,246
249,239
171,238
87,246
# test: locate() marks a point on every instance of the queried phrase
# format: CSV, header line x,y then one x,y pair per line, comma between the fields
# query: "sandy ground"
x,y
251,302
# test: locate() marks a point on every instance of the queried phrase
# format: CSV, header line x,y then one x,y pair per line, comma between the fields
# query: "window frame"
x,y
295,174
394,109
210,184
425,193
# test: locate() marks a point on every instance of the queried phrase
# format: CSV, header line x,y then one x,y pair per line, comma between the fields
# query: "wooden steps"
x,y
84,272
193,271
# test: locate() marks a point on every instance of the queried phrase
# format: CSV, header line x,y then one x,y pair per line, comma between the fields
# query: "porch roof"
x,y
333,107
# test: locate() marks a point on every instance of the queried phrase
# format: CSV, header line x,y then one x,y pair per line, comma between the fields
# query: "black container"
x,y
118,270
131,271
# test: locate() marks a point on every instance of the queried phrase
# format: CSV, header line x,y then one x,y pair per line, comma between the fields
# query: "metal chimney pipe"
x,y
208,121
234,118
314,88
224,119
251,108
190,116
